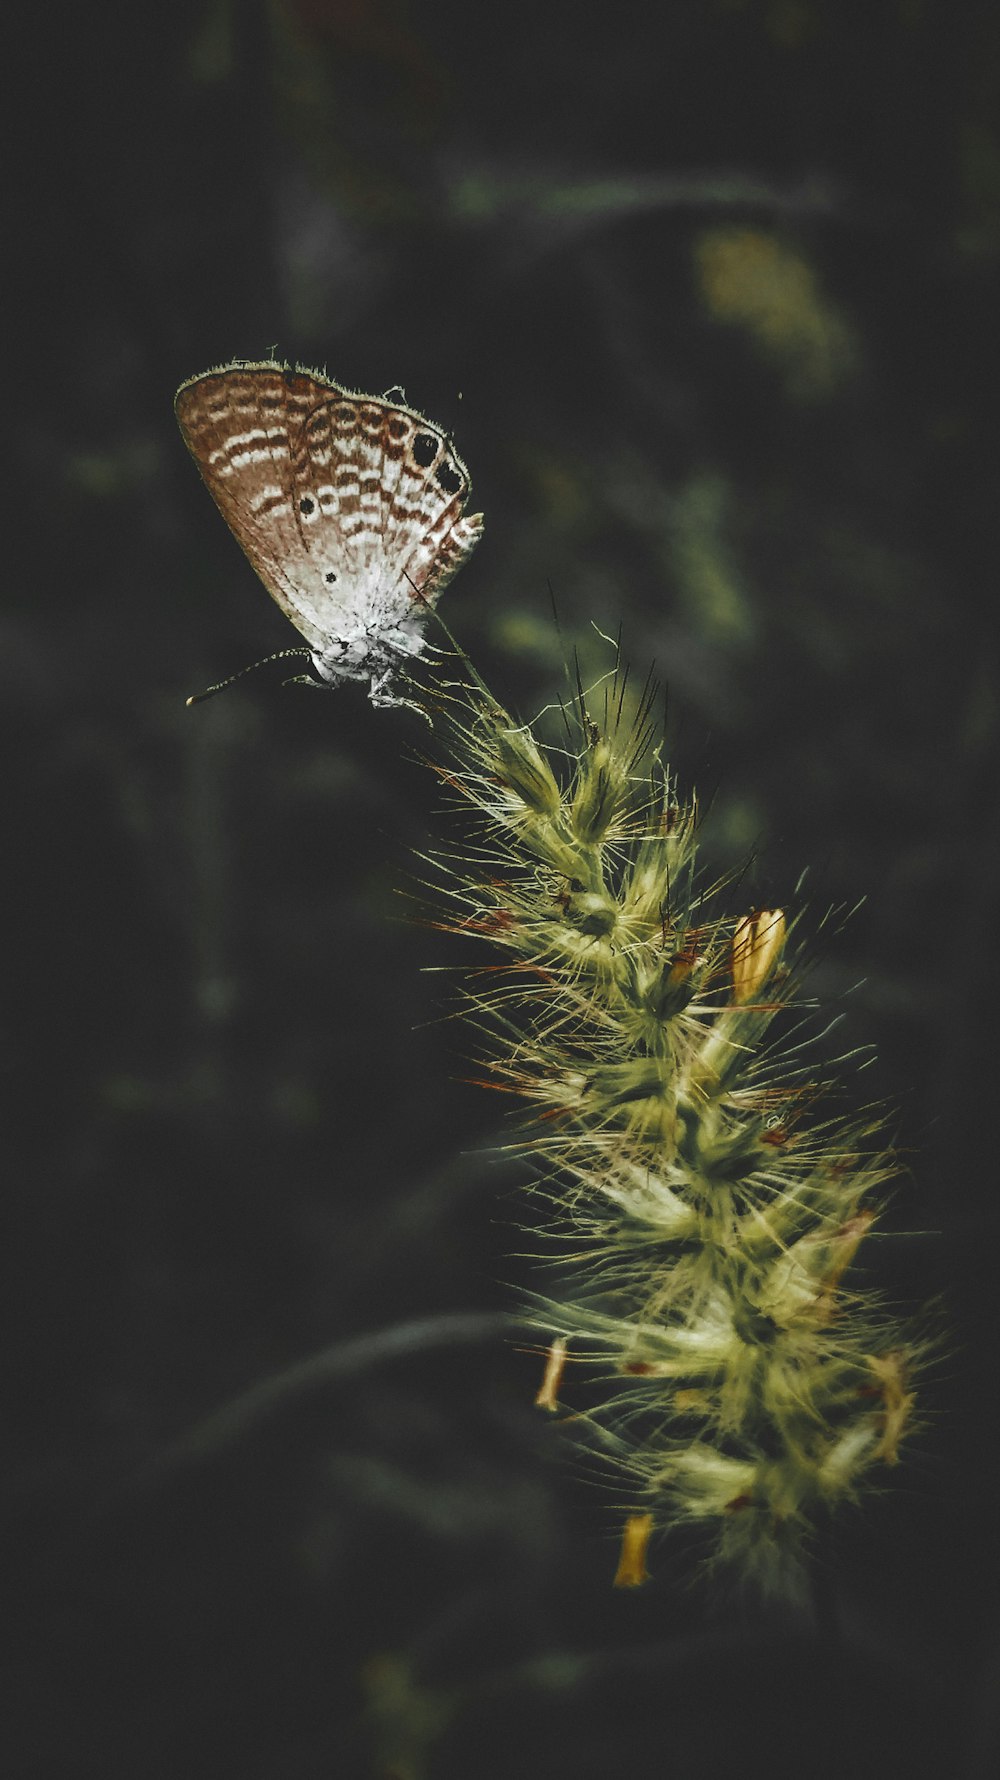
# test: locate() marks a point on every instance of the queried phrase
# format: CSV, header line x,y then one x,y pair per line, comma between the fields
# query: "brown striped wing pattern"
x,y
350,507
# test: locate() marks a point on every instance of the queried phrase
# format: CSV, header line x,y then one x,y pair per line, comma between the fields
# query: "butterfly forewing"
x,y
238,424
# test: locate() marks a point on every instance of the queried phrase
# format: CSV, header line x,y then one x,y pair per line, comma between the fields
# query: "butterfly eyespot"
x,y
329,577
447,477
425,449
307,505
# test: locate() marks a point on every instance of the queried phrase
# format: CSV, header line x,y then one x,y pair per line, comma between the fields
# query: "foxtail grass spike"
x,y
708,1338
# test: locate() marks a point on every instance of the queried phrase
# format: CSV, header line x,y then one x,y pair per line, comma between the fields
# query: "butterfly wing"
x,y
349,507
394,489
238,423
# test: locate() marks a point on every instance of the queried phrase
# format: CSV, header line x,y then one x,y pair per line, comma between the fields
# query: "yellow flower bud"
x,y
757,945
632,1571
548,1390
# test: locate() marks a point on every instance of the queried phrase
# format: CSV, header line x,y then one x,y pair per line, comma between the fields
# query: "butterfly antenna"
x,y
198,698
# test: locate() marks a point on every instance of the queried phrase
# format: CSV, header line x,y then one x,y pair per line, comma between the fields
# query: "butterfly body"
x,y
350,508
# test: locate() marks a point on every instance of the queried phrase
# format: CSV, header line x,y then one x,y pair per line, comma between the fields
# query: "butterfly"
x,y
350,507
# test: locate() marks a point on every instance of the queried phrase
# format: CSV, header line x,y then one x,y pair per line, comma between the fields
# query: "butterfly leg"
x,y
307,680
383,698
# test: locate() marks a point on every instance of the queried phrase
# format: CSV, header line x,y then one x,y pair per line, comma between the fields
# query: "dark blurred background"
x,y
708,292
